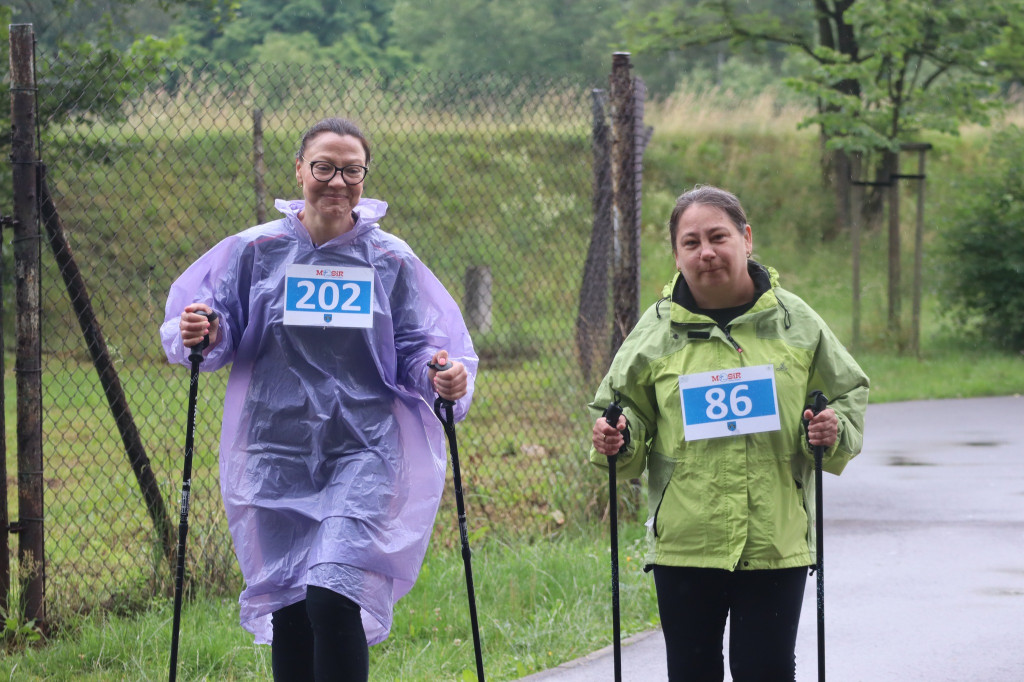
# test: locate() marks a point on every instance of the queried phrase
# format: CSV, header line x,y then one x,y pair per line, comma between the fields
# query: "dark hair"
x,y
338,126
708,196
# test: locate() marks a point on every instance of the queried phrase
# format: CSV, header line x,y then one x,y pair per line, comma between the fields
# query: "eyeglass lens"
x,y
325,172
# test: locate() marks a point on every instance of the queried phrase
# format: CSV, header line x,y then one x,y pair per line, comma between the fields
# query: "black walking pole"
x,y
820,402
448,421
611,416
195,357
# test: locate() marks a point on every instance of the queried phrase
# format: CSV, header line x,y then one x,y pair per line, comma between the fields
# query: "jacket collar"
x,y
678,292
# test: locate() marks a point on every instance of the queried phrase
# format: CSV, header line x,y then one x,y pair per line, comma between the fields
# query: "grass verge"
x,y
539,604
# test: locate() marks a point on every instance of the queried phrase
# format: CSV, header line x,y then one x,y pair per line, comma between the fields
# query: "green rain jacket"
x,y
733,502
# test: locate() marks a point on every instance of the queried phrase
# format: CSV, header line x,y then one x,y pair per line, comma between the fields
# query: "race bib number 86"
x,y
319,296
729,402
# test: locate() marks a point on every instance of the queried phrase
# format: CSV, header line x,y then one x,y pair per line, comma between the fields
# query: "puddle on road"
x,y
900,461
1003,592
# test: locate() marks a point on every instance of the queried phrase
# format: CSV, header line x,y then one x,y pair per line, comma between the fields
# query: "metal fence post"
x,y
28,362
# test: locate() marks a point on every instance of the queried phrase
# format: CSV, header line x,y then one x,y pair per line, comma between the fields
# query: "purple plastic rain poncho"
x,y
332,462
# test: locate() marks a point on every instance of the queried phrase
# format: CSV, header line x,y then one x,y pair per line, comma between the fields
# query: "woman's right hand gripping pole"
x,y
609,439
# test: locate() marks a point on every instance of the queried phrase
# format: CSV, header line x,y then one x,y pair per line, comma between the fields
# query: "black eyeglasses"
x,y
351,174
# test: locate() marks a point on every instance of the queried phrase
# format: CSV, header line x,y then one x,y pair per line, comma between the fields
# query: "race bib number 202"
x,y
328,296
729,402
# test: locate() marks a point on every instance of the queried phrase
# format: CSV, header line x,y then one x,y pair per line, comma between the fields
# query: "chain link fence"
x,y
488,178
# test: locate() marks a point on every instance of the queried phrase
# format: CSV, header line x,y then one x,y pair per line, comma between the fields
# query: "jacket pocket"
x,y
660,470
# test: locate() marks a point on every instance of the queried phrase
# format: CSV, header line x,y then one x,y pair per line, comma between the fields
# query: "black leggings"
x,y
764,610
318,639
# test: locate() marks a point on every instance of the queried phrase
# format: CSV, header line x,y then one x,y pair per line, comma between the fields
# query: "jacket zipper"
x,y
732,340
657,511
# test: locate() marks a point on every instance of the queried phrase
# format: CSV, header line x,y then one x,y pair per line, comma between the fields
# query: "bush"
x,y
983,246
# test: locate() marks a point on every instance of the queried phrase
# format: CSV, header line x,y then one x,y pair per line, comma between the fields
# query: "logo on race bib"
x,y
729,402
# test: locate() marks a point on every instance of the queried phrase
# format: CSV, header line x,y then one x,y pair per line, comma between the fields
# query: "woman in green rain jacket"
x,y
713,382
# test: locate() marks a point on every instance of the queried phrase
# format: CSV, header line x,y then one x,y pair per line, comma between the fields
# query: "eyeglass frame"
x,y
338,170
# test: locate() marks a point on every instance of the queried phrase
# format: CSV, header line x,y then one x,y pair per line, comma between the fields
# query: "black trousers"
x,y
320,639
764,612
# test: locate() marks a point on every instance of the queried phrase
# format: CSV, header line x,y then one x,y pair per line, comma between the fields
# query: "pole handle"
x,y
441,401
818,403
611,415
196,355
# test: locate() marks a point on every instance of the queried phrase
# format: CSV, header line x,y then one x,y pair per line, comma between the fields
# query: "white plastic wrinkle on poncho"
x,y
332,462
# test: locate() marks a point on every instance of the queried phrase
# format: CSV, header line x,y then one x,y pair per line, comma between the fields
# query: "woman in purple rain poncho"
x,y
331,460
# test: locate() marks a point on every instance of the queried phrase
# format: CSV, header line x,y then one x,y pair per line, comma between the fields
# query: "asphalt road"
x,y
924,556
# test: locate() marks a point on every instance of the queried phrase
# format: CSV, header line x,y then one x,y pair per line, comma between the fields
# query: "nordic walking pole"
x,y
820,402
611,416
195,357
448,421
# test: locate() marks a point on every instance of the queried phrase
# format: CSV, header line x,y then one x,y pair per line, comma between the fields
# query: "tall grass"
x,y
697,111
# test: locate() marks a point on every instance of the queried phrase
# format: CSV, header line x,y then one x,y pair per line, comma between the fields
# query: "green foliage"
x,y
18,633
547,37
917,67
97,81
984,245
353,35
1005,54
97,78
881,72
